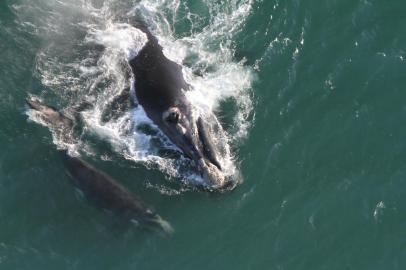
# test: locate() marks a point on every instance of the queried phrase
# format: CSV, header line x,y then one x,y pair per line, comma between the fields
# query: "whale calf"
x,y
106,193
100,188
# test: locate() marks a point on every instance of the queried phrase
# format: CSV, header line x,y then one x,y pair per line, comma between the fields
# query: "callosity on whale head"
x,y
190,133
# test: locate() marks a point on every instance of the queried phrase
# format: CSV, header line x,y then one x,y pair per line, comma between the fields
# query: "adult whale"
x,y
100,188
159,88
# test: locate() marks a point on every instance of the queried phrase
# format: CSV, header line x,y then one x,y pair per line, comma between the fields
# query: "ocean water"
x,y
311,98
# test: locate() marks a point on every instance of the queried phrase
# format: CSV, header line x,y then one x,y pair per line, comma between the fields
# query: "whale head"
x,y
189,132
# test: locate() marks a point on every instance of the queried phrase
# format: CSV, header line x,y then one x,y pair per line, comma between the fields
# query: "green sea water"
x,y
322,151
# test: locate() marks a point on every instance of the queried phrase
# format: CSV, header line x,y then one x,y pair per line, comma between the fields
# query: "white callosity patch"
x,y
88,45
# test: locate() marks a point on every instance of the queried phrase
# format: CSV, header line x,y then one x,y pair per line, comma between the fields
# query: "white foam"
x,y
82,72
119,36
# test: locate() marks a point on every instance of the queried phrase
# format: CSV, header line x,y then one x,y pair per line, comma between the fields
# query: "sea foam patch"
x,y
89,44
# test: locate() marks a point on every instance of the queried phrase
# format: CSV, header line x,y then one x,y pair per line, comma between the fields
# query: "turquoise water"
x,y
311,94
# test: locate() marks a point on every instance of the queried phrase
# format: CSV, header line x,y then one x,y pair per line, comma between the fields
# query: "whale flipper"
x,y
208,148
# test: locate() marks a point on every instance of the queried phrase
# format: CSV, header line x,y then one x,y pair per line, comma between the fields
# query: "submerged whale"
x,y
108,194
100,188
160,90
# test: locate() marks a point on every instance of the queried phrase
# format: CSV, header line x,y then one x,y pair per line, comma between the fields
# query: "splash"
x,y
85,59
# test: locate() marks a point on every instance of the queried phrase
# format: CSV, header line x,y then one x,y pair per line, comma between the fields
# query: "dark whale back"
x,y
158,80
101,188
105,192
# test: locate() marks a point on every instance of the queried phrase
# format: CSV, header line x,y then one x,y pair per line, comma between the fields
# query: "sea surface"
x,y
312,98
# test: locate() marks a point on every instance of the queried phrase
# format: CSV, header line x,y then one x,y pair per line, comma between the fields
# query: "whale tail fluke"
x,y
50,116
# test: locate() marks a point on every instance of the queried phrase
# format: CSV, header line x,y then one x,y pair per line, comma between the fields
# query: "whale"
x,y
98,187
160,89
106,193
